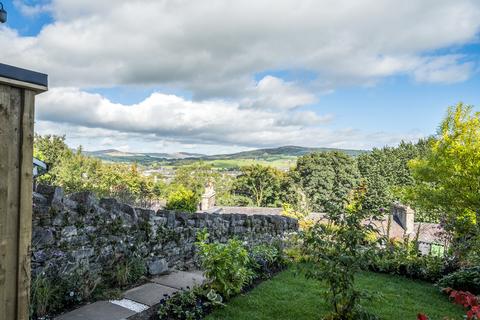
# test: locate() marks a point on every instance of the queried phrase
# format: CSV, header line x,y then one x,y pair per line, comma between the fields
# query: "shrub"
x,y
226,265
465,280
45,297
129,271
182,199
189,305
335,252
266,260
470,302
404,259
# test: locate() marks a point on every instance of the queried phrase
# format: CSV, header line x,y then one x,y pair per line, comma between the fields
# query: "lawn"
x,y
290,296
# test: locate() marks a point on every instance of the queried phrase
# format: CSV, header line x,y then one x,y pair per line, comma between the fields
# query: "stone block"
x,y
157,266
149,294
103,310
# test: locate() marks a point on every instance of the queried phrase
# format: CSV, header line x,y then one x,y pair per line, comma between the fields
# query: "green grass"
x,y
290,296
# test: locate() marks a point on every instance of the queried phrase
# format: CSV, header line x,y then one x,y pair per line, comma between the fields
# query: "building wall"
x,y
81,230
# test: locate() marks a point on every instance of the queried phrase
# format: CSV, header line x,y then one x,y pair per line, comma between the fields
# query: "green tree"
x,y
182,199
76,172
261,184
52,150
327,178
448,177
195,176
336,251
385,170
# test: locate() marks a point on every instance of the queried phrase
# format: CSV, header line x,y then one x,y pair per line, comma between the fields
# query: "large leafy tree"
x,y
448,176
327,179
76,172
195,176
262,184
385,170
52,150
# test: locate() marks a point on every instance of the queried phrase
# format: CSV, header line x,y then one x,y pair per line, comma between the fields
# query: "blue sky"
x,y
163,76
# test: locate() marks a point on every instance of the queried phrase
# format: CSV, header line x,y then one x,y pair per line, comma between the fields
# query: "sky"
x,y
222,76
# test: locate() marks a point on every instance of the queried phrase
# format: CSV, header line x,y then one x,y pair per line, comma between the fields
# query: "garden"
x,y
339,268
344,269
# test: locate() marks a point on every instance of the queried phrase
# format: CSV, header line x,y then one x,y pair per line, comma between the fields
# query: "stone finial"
x,y
208,197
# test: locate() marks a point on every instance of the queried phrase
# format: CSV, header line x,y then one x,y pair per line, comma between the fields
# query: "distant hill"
x,y
291,151
114,155
267,154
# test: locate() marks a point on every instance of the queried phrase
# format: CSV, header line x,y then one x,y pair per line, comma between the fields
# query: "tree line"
x,y
438,176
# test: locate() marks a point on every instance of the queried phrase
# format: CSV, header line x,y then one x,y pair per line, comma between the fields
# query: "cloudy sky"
x,y
221,76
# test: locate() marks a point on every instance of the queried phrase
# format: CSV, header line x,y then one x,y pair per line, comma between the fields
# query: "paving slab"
x,y
180,280
98,310
149,293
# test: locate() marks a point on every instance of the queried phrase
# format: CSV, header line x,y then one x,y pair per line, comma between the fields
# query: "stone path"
x,y
139,302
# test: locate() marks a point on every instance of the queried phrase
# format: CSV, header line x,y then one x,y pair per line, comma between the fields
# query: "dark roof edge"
x,y
24,75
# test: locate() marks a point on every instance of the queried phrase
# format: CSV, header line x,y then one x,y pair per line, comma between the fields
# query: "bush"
x,y
45,297
464,280
129,271
189,305
182,199
226,265
404,259
266,260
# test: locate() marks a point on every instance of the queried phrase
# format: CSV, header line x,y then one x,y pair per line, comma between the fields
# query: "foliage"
x,y
52,150
448,177
182,200
288,296
195,176
465,279
81,285
405,260
260,183
338,251
289,211
385,170
192,304
327,179
129,271
45,296
76,172
226,265
466,299
266,260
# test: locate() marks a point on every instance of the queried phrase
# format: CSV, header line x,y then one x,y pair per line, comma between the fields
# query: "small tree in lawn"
x,y
337,250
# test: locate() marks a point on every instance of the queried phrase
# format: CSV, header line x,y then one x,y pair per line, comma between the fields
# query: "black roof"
x,y
24,75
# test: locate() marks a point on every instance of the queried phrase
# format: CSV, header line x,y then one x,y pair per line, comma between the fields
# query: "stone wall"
x,y
79,229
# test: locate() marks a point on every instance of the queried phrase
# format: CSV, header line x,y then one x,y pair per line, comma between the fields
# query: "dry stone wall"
x,y
81,230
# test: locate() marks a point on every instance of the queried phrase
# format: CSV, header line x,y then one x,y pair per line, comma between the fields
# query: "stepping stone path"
x,y
138,301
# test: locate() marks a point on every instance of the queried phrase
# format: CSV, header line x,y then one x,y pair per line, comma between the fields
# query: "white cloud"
x,y
31,10
444,69
214,48
162,122
274,93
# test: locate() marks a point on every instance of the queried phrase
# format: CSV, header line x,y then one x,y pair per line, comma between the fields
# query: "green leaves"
x,y
327,178
335,252
226,265
183,200
75,172
263,185
447,178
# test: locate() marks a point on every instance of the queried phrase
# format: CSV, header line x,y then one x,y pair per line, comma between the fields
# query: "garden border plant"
x,y
230,268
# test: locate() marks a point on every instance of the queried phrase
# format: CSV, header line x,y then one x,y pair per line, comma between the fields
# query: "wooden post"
x,y
18,88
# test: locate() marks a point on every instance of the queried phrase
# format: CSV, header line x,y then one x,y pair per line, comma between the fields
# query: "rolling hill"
x,y
281,157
